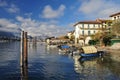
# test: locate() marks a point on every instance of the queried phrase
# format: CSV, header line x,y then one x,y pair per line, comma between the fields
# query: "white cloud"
x,y
8,25
9,7
48,12
41,28
98,8
13,9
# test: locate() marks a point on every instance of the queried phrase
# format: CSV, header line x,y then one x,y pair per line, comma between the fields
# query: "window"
x,y
118,17
114,18
89,33
83,32
98,25
82,25
94,25
88,26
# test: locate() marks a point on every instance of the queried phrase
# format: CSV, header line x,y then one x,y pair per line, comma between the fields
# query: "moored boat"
x,y
89,55
64,48
90,51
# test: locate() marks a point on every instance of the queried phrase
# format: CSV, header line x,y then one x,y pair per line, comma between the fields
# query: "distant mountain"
x,y
6,34
41,37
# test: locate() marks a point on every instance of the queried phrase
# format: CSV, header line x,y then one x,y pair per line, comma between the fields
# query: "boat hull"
x,y
89,55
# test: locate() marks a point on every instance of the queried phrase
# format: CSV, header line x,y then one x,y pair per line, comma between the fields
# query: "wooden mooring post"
x,y
24,56
24,49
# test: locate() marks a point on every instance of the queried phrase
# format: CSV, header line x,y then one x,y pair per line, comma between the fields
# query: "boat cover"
x,y
65,46
89,49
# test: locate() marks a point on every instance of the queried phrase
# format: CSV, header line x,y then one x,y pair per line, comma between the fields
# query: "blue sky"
x,y
52,17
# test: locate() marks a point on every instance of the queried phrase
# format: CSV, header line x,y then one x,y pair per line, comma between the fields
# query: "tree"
x,y
107,39
99,37
116,28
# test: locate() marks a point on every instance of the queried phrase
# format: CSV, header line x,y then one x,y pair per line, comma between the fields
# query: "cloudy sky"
x,y
52,17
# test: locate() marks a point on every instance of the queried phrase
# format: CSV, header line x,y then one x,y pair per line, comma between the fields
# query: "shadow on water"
x,y
97,68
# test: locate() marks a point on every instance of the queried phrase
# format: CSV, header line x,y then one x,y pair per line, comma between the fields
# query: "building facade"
x,y
87,28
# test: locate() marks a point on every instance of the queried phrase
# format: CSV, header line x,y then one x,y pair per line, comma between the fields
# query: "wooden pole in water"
x,y
24,56
25,48
22,48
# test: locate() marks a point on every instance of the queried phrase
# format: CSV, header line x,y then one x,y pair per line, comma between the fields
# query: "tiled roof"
x,y
103,20
115,14
91,22
88,22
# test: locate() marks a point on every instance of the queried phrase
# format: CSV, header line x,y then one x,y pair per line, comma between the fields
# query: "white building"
x,y
115,16
87,28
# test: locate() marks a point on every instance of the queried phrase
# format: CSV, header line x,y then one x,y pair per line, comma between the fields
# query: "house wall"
x,y
86,29
83,29
69,35
77,31
115,17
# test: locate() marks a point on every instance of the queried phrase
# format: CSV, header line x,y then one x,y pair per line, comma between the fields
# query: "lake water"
x,y
46,63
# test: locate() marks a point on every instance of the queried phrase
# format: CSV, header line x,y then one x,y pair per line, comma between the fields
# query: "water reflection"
x,y
113,66
24,72
46,64
97,68
51,50
9,60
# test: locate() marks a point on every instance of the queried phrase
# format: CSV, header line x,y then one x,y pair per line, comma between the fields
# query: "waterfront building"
x,y
87,28
57,41
115,16
84,29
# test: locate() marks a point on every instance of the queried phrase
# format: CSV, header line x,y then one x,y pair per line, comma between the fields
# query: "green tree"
x,y
107,39
99,37
116,28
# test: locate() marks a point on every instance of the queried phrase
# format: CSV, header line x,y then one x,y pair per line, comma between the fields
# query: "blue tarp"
x,y
65,46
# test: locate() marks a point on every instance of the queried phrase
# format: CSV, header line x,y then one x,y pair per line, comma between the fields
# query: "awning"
x,y
89,49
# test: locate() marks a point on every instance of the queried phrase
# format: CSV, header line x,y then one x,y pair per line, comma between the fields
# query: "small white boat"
x,y
52,46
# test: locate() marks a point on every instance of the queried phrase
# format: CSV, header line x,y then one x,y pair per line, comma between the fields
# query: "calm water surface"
x,y
47,64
